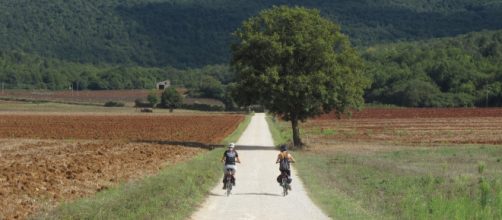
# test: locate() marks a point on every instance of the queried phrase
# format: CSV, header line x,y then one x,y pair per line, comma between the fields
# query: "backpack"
x,y
284,163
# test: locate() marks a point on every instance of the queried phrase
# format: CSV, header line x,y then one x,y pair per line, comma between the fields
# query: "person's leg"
x,y
233,176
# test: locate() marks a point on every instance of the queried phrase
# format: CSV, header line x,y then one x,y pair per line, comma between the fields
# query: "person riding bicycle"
x,y
230,157
284,159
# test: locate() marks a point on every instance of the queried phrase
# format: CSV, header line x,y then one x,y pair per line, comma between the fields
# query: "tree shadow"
x,y
251,147
205,146
258,194
247,194
183,143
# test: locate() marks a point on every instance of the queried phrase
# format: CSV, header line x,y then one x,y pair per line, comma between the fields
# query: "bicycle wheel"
x,y
229,186
284,187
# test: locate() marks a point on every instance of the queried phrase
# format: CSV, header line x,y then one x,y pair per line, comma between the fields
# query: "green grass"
x,y
172,194
55,107
461,182
320,131
281,133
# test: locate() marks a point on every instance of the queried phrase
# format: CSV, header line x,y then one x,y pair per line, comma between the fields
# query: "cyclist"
x,y
230,157
284,159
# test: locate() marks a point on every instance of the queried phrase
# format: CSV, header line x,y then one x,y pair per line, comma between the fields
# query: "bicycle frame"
x,y
284,184
228,182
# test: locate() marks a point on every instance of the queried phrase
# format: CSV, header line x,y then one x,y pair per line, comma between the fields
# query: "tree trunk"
x,y
297,141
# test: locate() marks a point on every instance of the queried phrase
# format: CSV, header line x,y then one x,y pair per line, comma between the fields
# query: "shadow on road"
x,y
206,146
257,194
250,147
247,194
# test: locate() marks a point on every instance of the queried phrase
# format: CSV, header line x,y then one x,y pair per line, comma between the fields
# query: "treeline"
x,y
19,70
194,33
450,72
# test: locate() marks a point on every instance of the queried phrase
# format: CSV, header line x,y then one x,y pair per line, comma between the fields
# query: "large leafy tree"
x,y
171,99
297,65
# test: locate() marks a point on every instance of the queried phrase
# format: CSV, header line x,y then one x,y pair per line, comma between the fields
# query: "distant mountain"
x,y
190,33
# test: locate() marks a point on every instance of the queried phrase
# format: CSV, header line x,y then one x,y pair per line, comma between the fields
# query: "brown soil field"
x,y
208,129
49,158
415,126
37,174
388,113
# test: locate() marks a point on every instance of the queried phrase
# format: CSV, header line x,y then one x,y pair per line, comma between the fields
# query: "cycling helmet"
x,y
284,148
231,145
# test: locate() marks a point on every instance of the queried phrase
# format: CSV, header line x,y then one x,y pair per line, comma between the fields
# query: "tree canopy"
x,y
171,99
296,64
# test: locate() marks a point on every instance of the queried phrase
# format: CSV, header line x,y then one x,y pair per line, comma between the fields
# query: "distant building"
x,y
163,85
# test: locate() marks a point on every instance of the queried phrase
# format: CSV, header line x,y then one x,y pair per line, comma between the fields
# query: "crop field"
x,y
418,126
36,173
404,163
209,129
48,158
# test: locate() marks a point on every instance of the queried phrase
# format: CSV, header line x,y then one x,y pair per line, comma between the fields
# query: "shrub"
x,y
203,107
142,104
114,104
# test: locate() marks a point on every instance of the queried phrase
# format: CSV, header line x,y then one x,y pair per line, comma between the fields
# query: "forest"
x,y
417,53
193,34
451,72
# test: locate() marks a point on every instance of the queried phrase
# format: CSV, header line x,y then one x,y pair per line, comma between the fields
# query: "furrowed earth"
x,y
46,159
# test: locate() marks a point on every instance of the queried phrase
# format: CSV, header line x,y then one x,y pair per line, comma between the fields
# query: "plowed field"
x,y
427,126
48,158
390,113
209,129
37,173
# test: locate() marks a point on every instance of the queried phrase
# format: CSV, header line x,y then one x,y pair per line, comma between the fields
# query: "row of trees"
x,y
193,34
459,71
19,70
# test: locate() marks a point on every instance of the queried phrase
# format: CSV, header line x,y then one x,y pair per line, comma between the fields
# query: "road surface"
x,y
257,195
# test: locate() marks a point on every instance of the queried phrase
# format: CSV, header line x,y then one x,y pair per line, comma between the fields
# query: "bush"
x,y
142,104
203,107
114,104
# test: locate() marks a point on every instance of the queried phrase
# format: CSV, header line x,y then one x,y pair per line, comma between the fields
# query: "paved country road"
x,y
257,195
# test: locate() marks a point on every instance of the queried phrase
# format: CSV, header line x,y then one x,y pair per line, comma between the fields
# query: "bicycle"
x,y
285,184
228,182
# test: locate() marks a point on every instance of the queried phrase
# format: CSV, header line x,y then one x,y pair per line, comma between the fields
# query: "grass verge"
x,y
450,182
172,194
281,133
238,132
332,201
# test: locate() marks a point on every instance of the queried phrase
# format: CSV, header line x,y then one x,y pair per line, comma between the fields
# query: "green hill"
x,y
448,72
189,33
